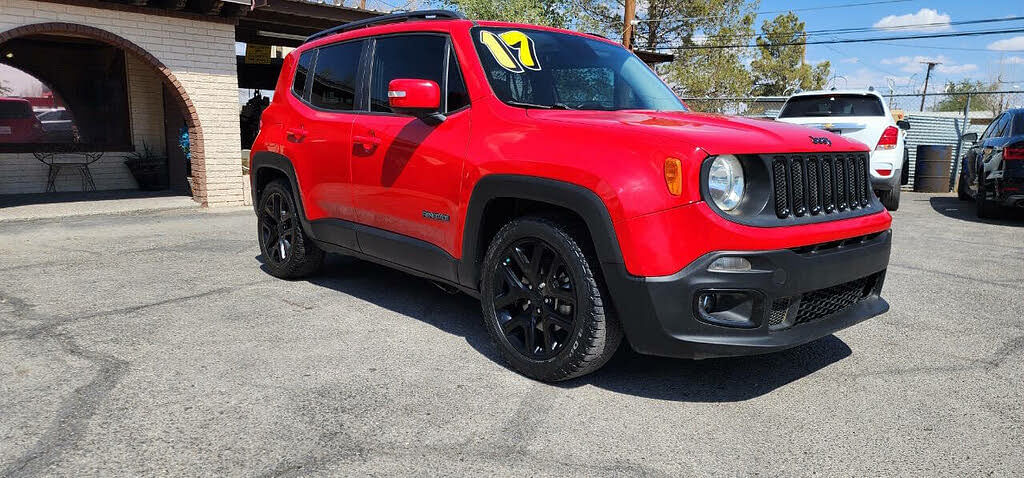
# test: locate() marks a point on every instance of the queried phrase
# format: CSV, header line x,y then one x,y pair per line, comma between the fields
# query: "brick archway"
x,y
181,98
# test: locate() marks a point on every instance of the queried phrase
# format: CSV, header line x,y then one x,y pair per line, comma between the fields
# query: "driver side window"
x,y
993,127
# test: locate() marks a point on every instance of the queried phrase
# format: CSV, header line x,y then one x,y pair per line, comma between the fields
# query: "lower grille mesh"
x,y
821,303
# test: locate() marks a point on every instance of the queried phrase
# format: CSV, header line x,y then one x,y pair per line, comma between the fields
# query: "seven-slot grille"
x,y
819,183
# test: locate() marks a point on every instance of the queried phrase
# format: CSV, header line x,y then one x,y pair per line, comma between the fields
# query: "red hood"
x,y
715,134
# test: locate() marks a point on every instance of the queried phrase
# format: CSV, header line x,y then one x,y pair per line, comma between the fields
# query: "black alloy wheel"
x,y
535,299
543,299
288,253
277,227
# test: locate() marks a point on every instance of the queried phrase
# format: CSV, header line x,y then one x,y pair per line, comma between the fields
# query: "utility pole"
x,y
627,22
927,74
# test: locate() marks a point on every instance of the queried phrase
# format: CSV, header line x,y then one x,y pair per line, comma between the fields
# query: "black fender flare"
x,y
578,199
262,160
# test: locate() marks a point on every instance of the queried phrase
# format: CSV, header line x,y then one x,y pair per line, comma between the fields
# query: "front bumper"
x,y
800,295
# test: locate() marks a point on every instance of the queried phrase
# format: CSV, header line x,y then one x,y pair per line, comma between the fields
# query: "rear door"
x,y
333,100
861,117
406,173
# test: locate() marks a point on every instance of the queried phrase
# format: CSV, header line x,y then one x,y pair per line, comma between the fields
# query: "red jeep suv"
x,y
555,177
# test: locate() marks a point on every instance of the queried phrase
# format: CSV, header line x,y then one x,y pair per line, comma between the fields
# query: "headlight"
x,y
725,182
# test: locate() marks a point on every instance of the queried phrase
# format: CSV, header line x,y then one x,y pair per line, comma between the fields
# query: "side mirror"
x,y
419,98
970,137
903,124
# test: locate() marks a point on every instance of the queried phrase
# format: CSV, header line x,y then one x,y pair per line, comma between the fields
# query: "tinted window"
x,y
15,109
302,73
1002,128
992,128
418,57
833,105
334,78
457,96
560,70
1018,125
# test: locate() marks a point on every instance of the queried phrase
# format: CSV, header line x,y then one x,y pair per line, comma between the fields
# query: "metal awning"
x,y
289,22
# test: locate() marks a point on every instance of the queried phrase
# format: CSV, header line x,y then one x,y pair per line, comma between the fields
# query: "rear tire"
x,y
961,189
543,301
891,198
986,209
288,253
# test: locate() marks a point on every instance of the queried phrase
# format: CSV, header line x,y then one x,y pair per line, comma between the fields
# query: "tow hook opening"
x,y
729,308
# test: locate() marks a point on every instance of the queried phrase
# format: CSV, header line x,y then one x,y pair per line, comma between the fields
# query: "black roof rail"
x,y
392,18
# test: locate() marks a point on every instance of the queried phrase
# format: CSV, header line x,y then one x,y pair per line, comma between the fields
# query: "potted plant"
x,y
148,168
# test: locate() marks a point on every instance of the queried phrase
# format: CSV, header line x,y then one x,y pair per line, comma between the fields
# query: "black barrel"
x,y
931,172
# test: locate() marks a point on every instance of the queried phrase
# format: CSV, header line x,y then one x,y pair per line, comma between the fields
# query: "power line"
x,y
846,5
851,40
843,31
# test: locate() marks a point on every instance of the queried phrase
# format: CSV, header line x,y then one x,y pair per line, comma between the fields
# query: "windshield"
x,y
542,69
832,105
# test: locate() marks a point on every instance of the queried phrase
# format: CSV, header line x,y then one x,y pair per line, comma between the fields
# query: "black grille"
x,y
817,304
824,302
819,184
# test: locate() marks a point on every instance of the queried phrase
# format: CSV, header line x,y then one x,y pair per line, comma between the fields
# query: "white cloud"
x,y
852,59
864,77
915,64
1013,60
925,20
1015,43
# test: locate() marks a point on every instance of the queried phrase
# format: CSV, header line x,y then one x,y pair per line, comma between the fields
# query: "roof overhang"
x,y
289,22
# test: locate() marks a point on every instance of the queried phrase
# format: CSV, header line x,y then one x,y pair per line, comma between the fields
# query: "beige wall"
x,y
200,54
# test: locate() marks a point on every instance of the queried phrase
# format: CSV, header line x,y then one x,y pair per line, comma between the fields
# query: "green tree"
x,y
958,102
780,66
554,13
677,27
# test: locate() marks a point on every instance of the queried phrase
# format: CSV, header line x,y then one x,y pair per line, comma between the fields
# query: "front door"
x,y
406,173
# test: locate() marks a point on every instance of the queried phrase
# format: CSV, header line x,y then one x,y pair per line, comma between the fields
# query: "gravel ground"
x,y
155,344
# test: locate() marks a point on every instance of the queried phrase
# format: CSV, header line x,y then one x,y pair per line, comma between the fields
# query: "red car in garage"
x,y
18,124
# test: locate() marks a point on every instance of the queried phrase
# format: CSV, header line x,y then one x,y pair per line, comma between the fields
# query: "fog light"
x,y
728,308
729,264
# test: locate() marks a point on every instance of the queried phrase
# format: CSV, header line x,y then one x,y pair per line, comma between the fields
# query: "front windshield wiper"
x,y
556,106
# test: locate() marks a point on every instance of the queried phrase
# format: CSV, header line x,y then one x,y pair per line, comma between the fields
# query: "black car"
x,y
992,172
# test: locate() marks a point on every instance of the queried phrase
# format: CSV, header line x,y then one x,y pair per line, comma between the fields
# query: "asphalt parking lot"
x,y
154,344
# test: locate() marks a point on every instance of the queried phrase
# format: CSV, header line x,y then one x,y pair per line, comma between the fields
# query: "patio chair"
x,y
69,157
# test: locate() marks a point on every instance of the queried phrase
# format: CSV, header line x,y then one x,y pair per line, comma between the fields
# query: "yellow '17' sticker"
x,y
502,48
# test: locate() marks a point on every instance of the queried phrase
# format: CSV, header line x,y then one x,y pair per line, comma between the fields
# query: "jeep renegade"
x,y
555,177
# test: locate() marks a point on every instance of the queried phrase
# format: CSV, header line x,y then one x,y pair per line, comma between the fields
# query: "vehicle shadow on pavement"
x,y
732,379
954,208
712,380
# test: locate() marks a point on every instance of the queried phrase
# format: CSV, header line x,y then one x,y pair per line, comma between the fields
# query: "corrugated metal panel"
x,y
932,130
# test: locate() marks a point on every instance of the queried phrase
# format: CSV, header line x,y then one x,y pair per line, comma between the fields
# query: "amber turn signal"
x,y
674,176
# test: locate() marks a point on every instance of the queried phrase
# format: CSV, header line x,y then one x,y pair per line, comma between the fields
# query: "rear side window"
x,y
302,73
833,105
419,57
334,76
15,110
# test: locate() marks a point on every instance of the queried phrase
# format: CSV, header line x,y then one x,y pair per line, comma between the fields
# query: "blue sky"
x,y
898,62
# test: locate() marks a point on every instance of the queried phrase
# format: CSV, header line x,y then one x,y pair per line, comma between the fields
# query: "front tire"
x,y
543,301
891,198
288,252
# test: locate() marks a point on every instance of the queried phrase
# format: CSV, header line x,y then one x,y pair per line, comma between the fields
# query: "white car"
x,y
863,116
